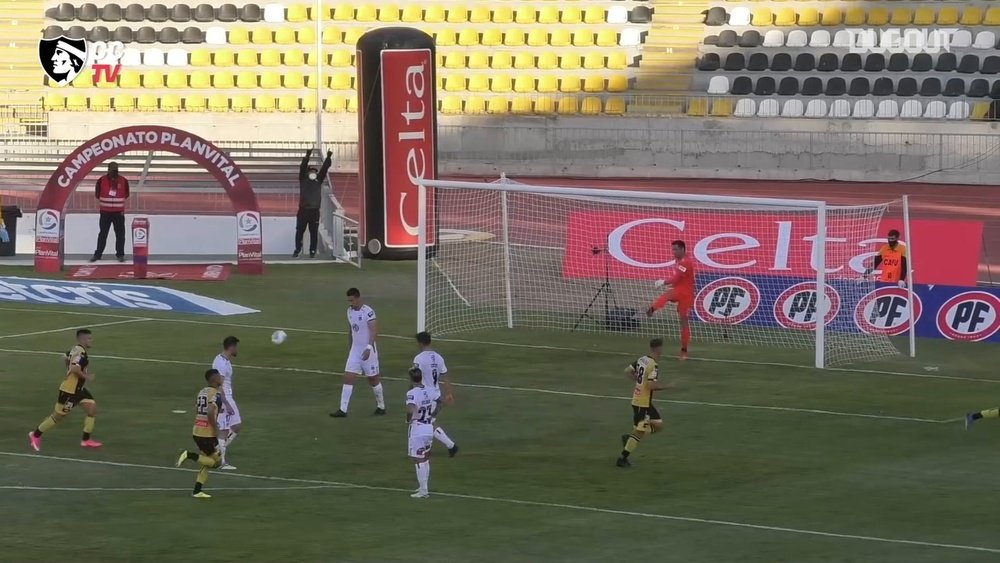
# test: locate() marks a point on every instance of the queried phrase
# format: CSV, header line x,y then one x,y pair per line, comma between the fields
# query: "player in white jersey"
x,y
362,353
435,373
230,422
420,411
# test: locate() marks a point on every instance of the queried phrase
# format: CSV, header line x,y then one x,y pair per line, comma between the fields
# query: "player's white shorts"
x,y
421,439
357,365
230,415
435,393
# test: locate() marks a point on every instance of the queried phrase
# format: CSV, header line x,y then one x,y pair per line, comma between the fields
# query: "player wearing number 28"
x,y
679,289
645,373
420,411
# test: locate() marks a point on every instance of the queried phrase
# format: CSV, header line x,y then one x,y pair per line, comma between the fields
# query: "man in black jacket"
x,y
310,196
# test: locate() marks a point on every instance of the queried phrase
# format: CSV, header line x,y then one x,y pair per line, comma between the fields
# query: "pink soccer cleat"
x,y
36,441
90,444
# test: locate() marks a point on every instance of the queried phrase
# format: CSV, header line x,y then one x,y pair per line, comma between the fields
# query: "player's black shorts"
x,y
66,401
207,446
639,414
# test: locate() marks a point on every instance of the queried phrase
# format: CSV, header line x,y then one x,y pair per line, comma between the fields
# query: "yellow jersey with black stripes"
x,y
203,406
646,373
73,383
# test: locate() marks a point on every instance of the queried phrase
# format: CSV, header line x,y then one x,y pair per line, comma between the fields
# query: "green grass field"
x,y
762,460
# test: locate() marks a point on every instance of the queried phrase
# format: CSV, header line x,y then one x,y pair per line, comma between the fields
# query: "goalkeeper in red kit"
x,y
680,290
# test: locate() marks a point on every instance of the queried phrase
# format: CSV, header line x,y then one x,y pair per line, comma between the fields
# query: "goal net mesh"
x,y
581,263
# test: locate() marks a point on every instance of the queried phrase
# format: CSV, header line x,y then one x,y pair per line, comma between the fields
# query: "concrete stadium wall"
x,y
788,149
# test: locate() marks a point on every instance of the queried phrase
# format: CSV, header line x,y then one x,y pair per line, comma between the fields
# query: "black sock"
x,y
977,415
197,487
625,454
192,456
86,436
684,350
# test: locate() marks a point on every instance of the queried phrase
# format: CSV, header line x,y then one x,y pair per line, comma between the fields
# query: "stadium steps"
x,y
21,22
668,57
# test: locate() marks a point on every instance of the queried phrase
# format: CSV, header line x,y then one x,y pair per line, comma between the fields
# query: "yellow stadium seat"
x,y
500,83
307,36
501,61
147,102
293,79
548,83
76,102
439,83
762,17
388,13
854,17
270,79
201,57
242,103
366,13
246,79
129,79
223,57
569,84
218,102
492,38
972,16
784,17
352,104
496,105
284,36
548,14
451,105
479,83
270,57
593,60
569,105
293,57
261,36
297,13
513,38
923,16
618,60
571,15
288,103
264,102
524,60
614,106
457,15
593,83
583,39
538,37
352,35
560,38
54,101
524,83
444,38
340,81
618,83
238,36
545,105
594,14
176,79
152,79
503,14
223,79
201,79
697,107
309,102
468,38
123,102
195,103
170,102
85,79
434,14
341,58
808,17
332,36
479,14
454,83
901,16
548,61
980,111
413,13
475,105
992,17
246,57
457,60
607,38
336,103
878,16
524,14
569,62
343,12
947,15
521,105
722,107
831,16
591,106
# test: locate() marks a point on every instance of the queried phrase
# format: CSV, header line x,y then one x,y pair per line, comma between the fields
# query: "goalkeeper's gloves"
x,y
4,237
901,283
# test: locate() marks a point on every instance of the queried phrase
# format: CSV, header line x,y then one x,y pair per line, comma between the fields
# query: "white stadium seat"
x,y
887,109
867,39
911,110
840,109
774,38
274,13
630,37
842,39
816,108
958,110
793,108
718,85
797,38
153,57
962,39
985,40
131,57
618,14
863,109
745,108
935,110
819,38
215,36
177,57
768,108
739,16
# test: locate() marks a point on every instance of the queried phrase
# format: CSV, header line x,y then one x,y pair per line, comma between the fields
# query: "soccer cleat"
x,y
622,462
36,441
296,253
120,259
181,459
339,414
201,495
453,450
378,412
90,444
94,258
683,356
227,467
968,421
420,494
312,253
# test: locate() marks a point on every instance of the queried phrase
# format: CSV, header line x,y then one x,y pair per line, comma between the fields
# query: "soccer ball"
x,y
279,337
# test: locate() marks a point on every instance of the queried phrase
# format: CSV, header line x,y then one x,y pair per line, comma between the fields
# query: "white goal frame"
x,y
817,206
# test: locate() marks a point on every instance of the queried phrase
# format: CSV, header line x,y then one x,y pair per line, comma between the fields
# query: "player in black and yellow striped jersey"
x,y
73,392
208,405
645,373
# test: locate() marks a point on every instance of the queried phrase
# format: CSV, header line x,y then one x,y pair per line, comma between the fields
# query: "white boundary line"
x,y
518,389
580,508
515,345
157,489
66,328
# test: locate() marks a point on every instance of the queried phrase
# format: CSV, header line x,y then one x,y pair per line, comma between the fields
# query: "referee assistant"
x,y
111,192
310,196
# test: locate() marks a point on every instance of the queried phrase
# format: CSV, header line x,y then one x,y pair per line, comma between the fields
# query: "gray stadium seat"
x,y
765,86
728,38
804,62
145,35
250,13
954,87
907,87
750,39
788,86
709,62
782,62
980,88
757,62
227,13
850,63
741,86
88,13
193,35
640,14
111,13
883,87
157,13
135,13
859,87
929,87
204,13
875,62
991,65
716,16
123,34
828,62
76,32
835,87
711,40
812,86
99,33
922,62
946,62
169,36
734,61
995,90
969,64
180,13
52,31
898,62
64,12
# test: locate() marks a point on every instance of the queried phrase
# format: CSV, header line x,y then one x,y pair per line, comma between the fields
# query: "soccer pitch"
x,y
762,459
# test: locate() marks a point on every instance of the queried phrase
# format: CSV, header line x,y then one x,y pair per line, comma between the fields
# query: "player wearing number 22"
x,y
680,290
432,366
421,408
645,373
207,406
892,259
73,392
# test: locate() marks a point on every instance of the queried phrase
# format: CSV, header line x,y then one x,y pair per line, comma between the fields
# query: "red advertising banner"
x,y
140,246
409,141
945,252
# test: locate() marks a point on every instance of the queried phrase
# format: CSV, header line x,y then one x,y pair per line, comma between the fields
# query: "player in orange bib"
x,y
680,290
892,259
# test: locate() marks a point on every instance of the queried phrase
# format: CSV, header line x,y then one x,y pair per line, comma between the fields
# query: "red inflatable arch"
x,y
49,219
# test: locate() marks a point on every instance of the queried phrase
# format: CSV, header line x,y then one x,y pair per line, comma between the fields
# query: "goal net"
x,y
571,259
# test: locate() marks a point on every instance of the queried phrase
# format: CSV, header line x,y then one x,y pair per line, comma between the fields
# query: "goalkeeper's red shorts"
x,y
684,300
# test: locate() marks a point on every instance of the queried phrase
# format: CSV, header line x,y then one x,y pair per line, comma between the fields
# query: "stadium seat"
x,y
569,84
859,87
923,16
545,105
496,105
501,61
270,57
251,13
985,40
797,39
758,62
767,108
341,58
781,62
366,13
901,16
293,79
784,17
293,57
521,105
451,105
270,80
804,62
594,14
958,110
147,102
568,105
413,13
593,83
911,110
571,15
632,37
742,86
831,17
740,16
284,36
261,36
331,36
979,88
171,102
792,108
722,107
607,38
176,79
454,83
201,79
524,84
264,103
101,33
930,87
745,108
710,62
946,62
341,81
145,35
992,17
808,17
991,65
947,15
718,85
548,15
388,13
475,105
215,36
569,62
935,110
457,60
863,109
981,110
501,83
242,103
491,38
238,36
246,57
228,13
192,36
54,101
614,106
968,65
697,107
840,109
195,103
275,13
123,102
789,86
750,39
201,57
468,38
525,14
513,38
583,39
773,38
477,83
591,105
64,12
352,35
878,16
972,15
875,62
76,102
288,103
716,16
223,79
246,79
883,87
218,102
503,14
961,39
547,61
152,79
765,86
887,109
524,60
819,39
560,38
457,15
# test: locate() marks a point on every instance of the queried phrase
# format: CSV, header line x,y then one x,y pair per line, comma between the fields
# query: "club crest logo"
x,y
62,58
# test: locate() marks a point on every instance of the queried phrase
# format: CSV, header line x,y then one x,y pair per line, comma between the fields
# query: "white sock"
x,y
440,436
379,396
222,449
423,474
345,396
231,438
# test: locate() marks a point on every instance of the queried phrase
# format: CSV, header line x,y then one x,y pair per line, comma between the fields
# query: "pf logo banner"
x,y
248,225
799,306
63,59
972,316
727,300
886,311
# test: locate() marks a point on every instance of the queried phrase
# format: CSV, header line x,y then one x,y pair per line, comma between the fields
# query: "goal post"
x,y
512,255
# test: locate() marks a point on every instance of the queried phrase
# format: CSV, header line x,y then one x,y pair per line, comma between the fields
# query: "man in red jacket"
x,y
111,193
